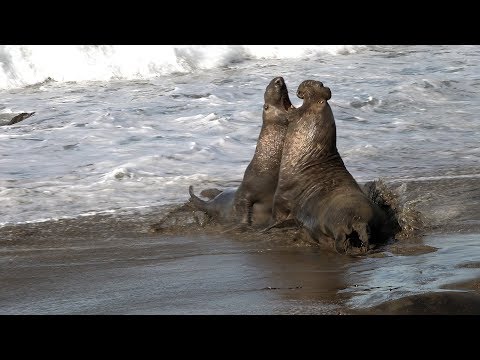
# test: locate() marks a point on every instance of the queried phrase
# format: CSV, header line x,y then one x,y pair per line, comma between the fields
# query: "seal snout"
x,y
327,93
276,94
313,88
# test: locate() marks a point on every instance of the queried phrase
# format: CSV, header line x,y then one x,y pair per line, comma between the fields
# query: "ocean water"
x,y
128,128
121,127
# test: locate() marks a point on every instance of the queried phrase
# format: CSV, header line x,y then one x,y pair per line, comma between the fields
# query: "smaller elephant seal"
x,y
220,207
314,186
10,119
252,201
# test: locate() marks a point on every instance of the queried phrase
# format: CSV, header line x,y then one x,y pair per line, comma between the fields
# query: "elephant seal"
x,y
314,186
220,207
252,201
10,119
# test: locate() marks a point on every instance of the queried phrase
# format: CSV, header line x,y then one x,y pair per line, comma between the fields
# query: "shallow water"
x,y
377,280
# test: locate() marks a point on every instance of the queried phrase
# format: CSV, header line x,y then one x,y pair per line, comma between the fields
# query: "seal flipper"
x,y
244,210
199,203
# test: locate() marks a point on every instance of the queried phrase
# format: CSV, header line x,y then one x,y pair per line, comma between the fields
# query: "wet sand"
x,y
121,265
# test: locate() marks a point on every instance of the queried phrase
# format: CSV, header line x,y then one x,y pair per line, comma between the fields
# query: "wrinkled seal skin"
x,y
314,186
252,202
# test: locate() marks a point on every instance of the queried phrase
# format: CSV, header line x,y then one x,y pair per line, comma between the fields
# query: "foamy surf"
x,y
23,65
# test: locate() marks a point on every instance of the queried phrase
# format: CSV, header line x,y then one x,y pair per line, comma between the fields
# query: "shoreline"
x,y
125,265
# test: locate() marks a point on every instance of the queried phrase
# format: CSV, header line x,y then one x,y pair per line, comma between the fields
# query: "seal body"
x,y
314,186
252,201
220,207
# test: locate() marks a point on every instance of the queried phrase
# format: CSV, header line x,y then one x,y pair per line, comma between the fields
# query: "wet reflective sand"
x,y
117,265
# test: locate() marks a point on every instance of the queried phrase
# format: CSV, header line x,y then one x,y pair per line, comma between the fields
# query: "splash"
x,y
405,219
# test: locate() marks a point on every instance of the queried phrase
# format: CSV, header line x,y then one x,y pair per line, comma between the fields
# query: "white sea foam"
x,y
23,65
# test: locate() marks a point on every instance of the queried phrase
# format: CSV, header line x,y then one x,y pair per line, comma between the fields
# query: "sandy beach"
x,y
124,265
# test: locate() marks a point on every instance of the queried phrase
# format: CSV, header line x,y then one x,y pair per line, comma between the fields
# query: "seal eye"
x,y
278,82
265,107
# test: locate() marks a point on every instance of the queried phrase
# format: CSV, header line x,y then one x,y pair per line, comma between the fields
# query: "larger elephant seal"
x,y
314,186
252,202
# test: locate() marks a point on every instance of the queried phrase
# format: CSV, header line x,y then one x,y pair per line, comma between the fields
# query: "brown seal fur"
x,y
252,202
314,186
